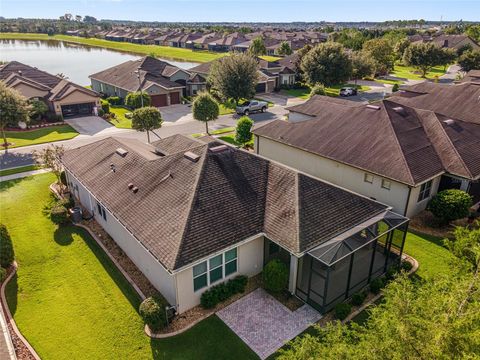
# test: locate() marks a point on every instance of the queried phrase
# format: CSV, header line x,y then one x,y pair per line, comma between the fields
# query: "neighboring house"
x,y
397,154
472,76
281,73
165,83
455,42
192,213
61,96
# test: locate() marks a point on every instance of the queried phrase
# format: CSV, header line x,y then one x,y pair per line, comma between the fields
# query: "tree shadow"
x,y
11,293
63,235
5,185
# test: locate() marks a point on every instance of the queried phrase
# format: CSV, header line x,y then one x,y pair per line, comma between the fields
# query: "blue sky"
x,y
247,10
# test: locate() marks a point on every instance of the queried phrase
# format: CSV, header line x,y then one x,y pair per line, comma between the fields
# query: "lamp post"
x,y
139,86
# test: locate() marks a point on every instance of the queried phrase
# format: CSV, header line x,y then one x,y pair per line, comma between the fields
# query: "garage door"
x,y
83,109
260,88
159,100
175,98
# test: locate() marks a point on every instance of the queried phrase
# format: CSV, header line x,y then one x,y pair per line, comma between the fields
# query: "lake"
x,y
73,60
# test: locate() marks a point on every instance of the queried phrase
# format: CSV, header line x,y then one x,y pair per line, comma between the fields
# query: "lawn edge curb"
x,y
353,314
153,335
8,314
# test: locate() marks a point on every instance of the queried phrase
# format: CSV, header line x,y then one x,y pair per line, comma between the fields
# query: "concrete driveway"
x,y
92,126
176,113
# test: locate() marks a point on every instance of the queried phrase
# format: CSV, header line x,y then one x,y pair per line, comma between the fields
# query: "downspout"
x,y
408,201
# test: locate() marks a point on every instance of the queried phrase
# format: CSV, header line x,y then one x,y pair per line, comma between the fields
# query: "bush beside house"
x,y
6,247
152,311
221,292
342,310
449,205
275,276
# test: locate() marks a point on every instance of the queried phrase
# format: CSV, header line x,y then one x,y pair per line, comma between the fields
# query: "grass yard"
x,y
230,138
269,58
71,302
120,121
19,169
408,72
40,136
160,51
304,93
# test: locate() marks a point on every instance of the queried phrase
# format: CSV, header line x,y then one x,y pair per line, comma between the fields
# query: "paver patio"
x,y
265,324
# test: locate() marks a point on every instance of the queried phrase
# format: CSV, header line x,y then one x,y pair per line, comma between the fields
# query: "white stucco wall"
x,y
415,206
249,263
339,174
146,262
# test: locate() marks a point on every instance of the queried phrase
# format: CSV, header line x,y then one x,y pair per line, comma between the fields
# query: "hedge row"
x,y
221,292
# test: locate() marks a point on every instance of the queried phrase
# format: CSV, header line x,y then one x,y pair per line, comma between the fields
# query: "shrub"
x,y
114,100
358,298
51,117
3,274
100,112
128,115
243,132
63,178
66,202
318,89
223,291
105,106
6,247
152,311
342,310
450,205
395,88
391,272
275,275
59,214
134,101
406,266
377,285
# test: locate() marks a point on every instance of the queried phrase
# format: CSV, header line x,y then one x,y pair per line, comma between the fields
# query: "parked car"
x,y
348,91
251,106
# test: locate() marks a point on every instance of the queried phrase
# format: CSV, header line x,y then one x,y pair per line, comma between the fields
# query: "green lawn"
x,y
216,132
389,82
304,93
161,51
120,120
408,72
18,170
230,138
71,302
40,136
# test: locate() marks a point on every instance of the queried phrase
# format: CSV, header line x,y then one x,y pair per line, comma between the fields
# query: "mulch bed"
x,y
290,301
425,223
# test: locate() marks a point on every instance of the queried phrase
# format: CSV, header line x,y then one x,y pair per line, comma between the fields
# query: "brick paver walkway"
x,y
265,324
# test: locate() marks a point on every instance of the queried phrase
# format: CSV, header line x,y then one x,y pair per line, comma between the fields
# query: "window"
x,y
425,191
200,276
230,262
368,178
386,184
214,269
101,211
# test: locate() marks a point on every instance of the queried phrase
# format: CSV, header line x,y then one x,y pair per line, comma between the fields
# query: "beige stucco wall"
x,y
339,174
270,86
250,263
179,75
144,260
30,92
156,90
289,78
76,97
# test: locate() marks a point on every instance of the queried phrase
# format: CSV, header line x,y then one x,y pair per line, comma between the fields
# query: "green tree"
x,y
234,77
51,157
400,48
134,100
424,56
450,204
436,318
284,48
146,119
328,64
257,47
473,31
37,109
298,57
381,50
243,132
363,65
14,108
6,247
205,108
275,276
317,89
470,60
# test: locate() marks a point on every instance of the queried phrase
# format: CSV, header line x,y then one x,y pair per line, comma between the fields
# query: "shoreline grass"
x,y
39,136
167,52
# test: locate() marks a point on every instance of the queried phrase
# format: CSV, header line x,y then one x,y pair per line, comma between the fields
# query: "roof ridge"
x,y
397,142
190,206
442,129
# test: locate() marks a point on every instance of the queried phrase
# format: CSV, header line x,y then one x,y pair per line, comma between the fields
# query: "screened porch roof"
x,y
357,237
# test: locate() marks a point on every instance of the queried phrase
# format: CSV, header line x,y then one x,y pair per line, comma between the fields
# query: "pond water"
x,y
75,61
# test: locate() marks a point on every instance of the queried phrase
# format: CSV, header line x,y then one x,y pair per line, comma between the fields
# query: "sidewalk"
x,y
6,346
23,174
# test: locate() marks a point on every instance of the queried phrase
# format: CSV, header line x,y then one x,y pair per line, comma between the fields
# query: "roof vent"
x,y
449,122
112,167
130,186
400,110
159,152
122,152
219,148
191,156
373,107
135,189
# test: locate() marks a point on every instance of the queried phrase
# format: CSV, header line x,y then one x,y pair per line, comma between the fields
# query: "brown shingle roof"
x,y
29,72
186,210
395,141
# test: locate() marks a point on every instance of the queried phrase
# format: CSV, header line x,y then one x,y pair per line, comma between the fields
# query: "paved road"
x,y
23,156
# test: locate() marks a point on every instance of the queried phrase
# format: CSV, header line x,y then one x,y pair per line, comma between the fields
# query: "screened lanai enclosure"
x,y
335,270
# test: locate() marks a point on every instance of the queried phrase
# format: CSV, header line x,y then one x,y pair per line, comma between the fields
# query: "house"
x,y
391,151
472,76
192,213
165,83
455,42
62,97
